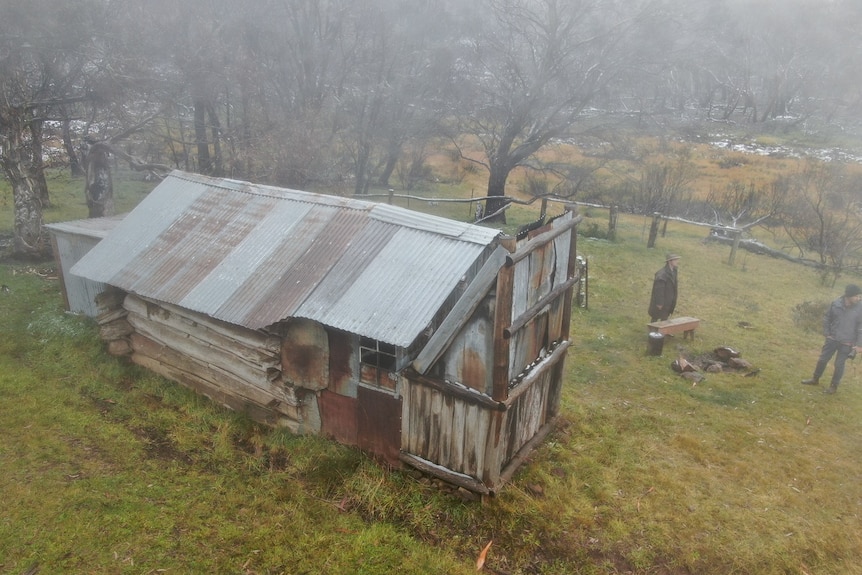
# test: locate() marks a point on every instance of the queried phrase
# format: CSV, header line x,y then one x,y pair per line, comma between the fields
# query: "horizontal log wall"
x,y
235,367
220,387
114,328
250,345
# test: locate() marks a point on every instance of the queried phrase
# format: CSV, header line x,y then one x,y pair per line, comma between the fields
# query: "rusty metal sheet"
x,y
338,417
379,422
305,354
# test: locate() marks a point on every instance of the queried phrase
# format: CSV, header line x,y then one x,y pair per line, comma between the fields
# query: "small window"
x,y
377,354
377,363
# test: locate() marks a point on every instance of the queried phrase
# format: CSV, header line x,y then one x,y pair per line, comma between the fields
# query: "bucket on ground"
x,y
655,343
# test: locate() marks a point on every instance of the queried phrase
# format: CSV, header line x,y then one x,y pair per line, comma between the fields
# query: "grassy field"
x,y
110,469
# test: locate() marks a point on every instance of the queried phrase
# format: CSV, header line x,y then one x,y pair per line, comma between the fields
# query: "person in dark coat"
x,y
842,327
664,290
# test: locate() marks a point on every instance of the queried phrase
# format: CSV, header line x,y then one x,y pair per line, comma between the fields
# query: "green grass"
x,y
110,469
747,474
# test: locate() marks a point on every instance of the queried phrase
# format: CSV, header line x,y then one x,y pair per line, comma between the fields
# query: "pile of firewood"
x,y
720,360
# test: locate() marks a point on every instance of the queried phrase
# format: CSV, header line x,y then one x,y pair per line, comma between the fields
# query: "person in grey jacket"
x,y
664,290
842,327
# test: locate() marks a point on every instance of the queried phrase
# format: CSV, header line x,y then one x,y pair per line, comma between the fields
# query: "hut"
x,y
421,340
70,241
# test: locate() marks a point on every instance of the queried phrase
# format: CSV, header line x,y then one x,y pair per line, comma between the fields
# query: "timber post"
x,y
573,271
737,234
612,222
502,320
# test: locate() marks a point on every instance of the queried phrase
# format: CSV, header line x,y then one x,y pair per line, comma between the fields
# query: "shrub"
x,y
809,316
592,230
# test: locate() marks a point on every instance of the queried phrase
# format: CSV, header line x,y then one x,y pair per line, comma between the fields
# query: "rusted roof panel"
x,y
254,255
395,309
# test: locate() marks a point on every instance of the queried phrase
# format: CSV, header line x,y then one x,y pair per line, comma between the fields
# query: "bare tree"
x,y
532,73
285,67
664,182
742,207
763,61
35,76
99,188
824,214
400,73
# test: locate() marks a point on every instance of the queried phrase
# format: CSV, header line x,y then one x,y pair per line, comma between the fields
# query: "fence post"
x,y
737,234
612,223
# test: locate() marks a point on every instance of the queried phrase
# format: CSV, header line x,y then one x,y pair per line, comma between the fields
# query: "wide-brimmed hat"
x,y
673,257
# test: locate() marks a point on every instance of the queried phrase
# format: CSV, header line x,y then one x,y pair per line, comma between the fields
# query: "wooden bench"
x,y
686,325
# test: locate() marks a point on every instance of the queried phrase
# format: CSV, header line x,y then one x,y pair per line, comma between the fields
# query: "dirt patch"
x,y
159,446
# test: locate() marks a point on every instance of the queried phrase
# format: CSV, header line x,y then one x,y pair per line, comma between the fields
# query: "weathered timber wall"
x,y
533,403
452,428
448,430
233,366
466,360
540,284
476,428
539,289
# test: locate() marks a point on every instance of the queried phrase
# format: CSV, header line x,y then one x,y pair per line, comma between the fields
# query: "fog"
x,y
303,93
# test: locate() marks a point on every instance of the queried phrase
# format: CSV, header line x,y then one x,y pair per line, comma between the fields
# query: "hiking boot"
x,y
812,381
830,390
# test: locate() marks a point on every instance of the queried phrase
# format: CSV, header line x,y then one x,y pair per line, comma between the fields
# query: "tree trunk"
x,y
36,165
74,163
362,175
215,129
653,230
612,222
204,160
393,154
389,166
29,239
100,186
499,173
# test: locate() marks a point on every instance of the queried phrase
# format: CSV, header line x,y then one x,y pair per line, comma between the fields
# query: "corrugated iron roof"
x,y
90,227
254,255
